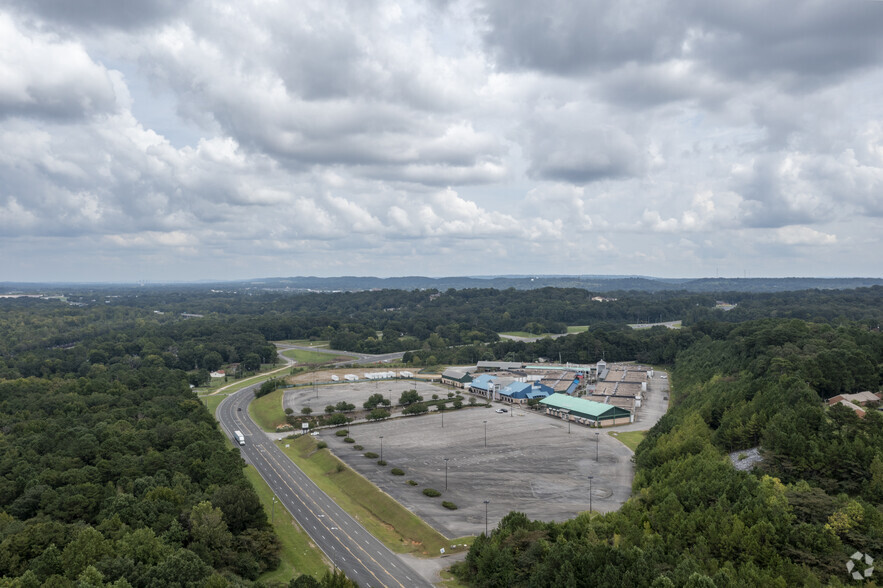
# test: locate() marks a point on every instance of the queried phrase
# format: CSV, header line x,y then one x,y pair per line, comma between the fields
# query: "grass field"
x,y
313,357
298,554
397,527
577,329
526,335
267,410
630,439
306,343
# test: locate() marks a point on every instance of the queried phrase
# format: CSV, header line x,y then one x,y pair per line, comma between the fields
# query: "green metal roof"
x,y
582,406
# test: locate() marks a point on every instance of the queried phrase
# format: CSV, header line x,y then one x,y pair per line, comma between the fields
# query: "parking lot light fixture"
x,y
597,443
446,473
485,433
590,493
381,448
486,502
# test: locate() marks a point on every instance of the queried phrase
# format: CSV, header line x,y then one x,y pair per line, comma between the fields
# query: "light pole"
x,y
446,473
442,411
597,442
568,426
381,448
485,433
273,510
590,493
486,502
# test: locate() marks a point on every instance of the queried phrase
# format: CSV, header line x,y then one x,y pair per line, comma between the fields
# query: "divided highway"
x,y
347,544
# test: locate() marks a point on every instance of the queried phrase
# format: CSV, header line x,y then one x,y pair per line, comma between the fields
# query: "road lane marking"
x,y
271,456
267,458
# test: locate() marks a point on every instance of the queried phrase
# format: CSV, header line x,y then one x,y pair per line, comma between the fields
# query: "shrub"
x,y
449,505
417,408
435,396
321,445
431,492
371,455
340,468
412,483
306,410
289,411
358,447
378,414
337,419
349,440
458,404
342,433
381,462
399,472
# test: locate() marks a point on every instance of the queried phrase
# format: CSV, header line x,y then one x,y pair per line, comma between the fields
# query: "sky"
x,y
175,140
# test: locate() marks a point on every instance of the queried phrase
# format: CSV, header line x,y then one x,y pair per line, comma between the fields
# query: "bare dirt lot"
x,y
531,463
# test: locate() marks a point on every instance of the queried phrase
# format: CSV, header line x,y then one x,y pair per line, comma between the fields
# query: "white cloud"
x,y
422,137
798,235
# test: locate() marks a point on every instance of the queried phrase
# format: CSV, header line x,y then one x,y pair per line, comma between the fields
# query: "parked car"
x,y
502,410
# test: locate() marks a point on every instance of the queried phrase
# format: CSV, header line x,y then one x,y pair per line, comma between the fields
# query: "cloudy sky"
x,y
174,140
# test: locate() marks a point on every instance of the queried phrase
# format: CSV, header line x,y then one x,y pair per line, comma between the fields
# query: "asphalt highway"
x,y
344,541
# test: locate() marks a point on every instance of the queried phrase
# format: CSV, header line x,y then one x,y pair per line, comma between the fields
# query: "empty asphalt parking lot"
x,y
529,464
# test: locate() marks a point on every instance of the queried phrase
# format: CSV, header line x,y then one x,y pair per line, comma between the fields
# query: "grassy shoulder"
x,y
630,439
398,528
577,329
267,410
298,554
211,402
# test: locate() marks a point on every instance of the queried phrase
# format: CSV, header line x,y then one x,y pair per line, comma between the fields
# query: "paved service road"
x,y
347,544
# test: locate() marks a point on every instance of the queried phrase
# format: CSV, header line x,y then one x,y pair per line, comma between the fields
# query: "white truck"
x,y
240,438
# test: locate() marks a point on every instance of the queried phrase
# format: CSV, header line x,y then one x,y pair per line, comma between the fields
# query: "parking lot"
x,y
320,396
530,464
519,460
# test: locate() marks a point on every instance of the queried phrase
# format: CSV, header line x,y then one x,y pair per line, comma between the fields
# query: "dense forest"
x,y
112,472
694,519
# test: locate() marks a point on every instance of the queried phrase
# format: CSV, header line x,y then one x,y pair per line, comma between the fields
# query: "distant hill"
x,y
592,283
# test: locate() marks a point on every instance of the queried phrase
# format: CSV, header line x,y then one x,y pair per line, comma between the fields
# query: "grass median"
x,y
398,528
298,554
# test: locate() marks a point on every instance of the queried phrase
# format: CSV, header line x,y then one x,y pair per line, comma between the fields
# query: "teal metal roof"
x,y
581,405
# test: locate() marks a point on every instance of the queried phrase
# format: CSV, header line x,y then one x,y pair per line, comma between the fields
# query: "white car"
x,y
501,410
